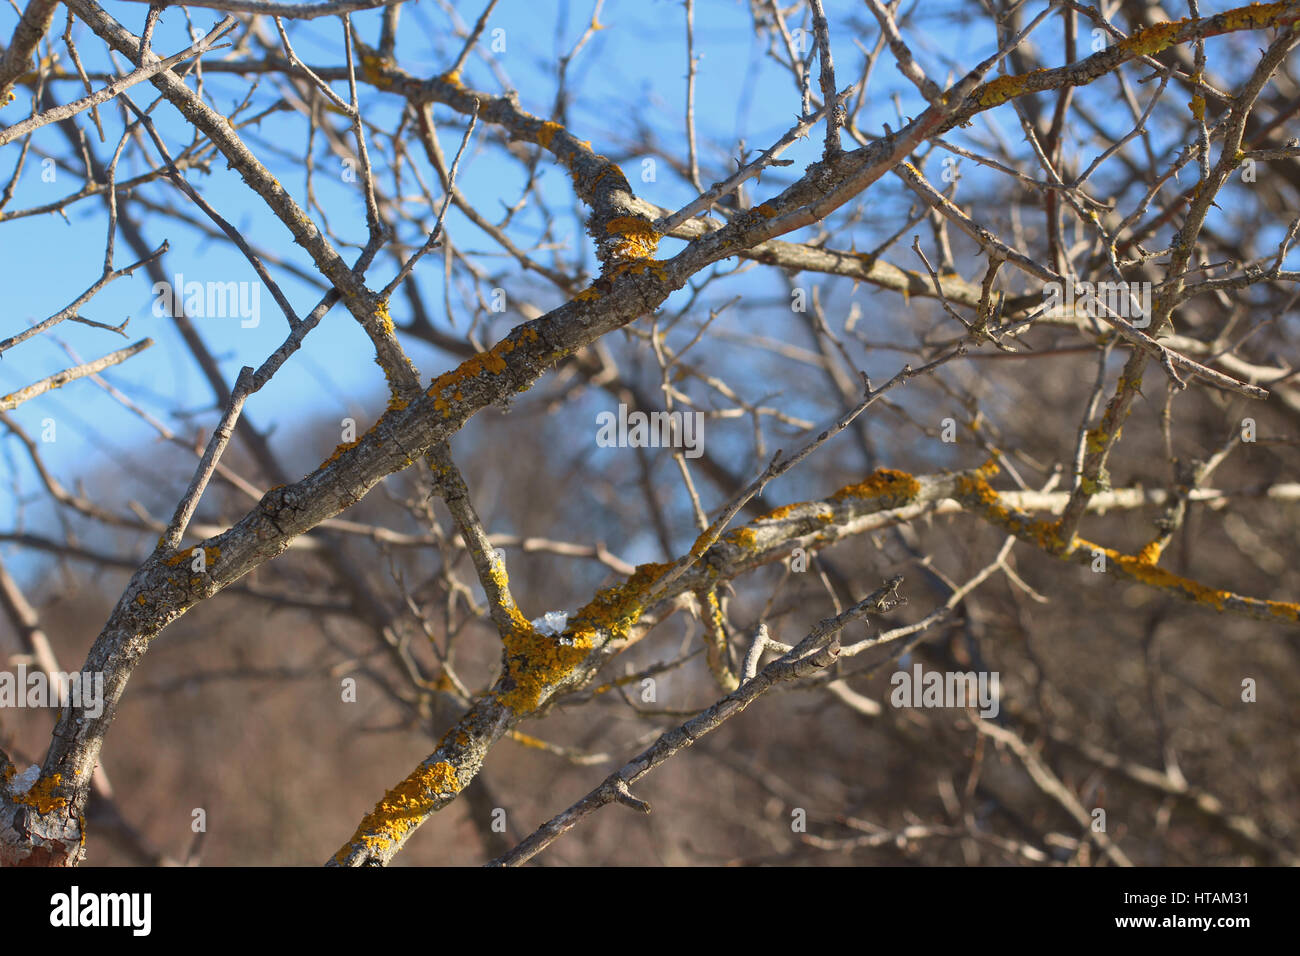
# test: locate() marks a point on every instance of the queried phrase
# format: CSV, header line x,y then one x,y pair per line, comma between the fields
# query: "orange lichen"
x,y
654,267
492,362
210,556
547,133
536,663
1158,577
589,294
339,449
404,808
41,795
637,238
1150,553
742,538
823,514
765,210
616,609
776,514
1284,609
974,490
451,78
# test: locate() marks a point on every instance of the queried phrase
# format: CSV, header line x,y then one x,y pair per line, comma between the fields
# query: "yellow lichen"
x,y
1284,609
372,67
1150,553
882,483
1254,15
547,133
536,663
338,451
1157,577
491,361
975,491
1094,441
41,795
1003,88
210,556
1151,40
383,318
637,238
616,609
403,808
589,294
776,514
743,538
654,267
706,539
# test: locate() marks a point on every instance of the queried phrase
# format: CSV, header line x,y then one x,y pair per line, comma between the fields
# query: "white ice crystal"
x,y
551,623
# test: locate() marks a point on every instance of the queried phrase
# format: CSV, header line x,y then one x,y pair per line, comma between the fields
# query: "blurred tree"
x,y
1017,323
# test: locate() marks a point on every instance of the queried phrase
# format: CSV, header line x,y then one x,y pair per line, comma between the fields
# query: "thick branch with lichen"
x,y
539,669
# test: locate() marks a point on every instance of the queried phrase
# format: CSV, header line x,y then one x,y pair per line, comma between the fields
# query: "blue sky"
x,y
631,73
637,62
